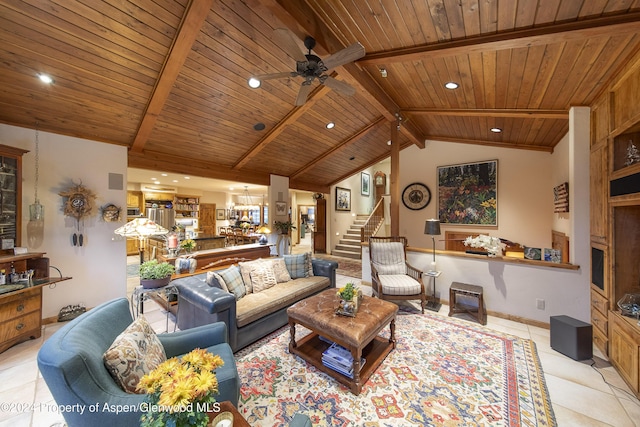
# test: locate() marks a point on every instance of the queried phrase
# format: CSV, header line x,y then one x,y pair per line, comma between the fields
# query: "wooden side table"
x,y
226,406
472,291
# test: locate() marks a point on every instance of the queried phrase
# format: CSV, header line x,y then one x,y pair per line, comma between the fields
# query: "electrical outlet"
x,y
540,304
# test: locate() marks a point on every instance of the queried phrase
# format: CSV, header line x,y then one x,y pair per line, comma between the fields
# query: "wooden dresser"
x,y
21,310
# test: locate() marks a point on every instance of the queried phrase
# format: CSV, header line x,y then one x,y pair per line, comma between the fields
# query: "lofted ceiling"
x,y
168,78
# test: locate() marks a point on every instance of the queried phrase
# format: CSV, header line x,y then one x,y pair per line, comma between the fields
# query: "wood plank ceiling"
x,y
168,78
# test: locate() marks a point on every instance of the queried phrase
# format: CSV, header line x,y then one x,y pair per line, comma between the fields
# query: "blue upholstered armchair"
x,y
72,365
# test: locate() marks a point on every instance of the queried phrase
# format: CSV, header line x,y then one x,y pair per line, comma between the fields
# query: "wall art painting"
x,y
365,184
220,214
468,193
343,199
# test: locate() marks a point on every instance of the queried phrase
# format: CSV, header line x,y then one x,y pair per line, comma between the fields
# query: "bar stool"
x,y
471,291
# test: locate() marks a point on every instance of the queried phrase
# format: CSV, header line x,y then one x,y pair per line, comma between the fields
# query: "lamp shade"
x,y
432,227
140,228
263,229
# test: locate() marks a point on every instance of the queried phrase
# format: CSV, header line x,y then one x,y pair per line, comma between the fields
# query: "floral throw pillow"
x,y
133,354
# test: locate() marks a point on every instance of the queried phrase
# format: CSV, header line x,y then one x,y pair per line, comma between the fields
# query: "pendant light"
x,y
36,210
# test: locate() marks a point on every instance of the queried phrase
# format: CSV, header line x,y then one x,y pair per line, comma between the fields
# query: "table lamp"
x,y
432,228
142,229
263,229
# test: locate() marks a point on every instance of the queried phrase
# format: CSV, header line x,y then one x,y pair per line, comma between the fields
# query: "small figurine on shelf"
x,y
633,156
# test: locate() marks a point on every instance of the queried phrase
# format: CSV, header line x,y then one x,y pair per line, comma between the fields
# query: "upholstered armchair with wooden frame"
x,y
392,277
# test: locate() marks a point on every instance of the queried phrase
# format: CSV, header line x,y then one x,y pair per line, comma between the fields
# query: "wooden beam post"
x,y
394,183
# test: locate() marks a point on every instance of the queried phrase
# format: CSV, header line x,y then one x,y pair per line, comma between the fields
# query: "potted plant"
x,y
350,297
154,274
284,227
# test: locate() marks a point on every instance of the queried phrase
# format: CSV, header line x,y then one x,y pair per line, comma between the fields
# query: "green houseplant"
x,y
284,227
154,274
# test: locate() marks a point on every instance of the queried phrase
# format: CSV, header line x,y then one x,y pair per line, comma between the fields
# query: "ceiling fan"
x,y
310,66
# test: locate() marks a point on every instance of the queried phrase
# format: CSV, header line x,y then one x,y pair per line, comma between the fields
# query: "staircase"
x,y
349,245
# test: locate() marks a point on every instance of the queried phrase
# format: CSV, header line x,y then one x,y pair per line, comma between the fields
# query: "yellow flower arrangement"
x,y
181,391
188,244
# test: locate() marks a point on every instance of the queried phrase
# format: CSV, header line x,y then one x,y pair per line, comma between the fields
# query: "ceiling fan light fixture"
x,y
451,85
253,83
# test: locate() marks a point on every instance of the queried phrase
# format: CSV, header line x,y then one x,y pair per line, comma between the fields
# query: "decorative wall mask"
x,y
78,204
111,213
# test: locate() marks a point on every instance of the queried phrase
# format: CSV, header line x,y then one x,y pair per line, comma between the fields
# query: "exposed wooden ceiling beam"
x,y
153,160
194,17
318,93
491,112
492,143
556,33
359,135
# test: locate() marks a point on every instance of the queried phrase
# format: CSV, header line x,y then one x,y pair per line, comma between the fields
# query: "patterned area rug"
x,y
346,266
443,372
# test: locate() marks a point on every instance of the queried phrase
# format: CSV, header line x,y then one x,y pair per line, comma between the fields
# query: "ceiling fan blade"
x,y
339,86
303,93
348,54
274,76
289,44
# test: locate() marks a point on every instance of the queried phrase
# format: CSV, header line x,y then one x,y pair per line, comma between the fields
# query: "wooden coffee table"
x,y
358,334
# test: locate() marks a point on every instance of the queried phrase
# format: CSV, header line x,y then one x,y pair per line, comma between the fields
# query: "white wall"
x,y
98,267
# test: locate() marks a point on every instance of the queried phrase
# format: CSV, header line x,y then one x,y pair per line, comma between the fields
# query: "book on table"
x,y
340,360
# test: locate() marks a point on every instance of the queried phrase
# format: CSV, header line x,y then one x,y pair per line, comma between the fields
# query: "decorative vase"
x,y
155,283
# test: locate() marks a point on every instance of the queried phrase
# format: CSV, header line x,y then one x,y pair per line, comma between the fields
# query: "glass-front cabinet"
x,y
10,197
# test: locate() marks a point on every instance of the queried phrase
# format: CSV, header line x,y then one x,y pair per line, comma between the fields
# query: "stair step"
x,y
352,248
346,254
351,241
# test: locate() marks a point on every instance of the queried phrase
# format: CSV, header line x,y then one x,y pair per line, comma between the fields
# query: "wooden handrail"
x,y
373,222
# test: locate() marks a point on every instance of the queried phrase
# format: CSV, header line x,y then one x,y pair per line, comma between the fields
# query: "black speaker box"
x,y
571,337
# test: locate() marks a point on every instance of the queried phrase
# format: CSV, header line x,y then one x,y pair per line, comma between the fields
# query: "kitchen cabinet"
x,y
134,199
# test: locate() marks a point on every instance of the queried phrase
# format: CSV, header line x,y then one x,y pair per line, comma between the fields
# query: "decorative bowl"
x,y
629,305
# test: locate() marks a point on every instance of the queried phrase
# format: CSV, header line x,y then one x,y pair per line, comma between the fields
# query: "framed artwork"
x,y
220,214
468,193
281,208
343,199
365,184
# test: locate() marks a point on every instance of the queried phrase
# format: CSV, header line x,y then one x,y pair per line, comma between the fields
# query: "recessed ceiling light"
x,y
330,125
496,130
157,182
164,174
44,78
451,85
259,126
175,180
389,142
383,72
352,158
187,177
154,179
254,83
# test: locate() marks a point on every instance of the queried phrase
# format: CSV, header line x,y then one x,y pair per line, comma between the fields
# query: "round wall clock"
x,y
416,196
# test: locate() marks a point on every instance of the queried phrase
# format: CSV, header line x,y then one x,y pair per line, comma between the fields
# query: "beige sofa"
x,y
251,315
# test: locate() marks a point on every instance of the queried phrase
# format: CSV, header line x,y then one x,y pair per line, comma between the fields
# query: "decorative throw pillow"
x,y
245,270
233,279
280,270
134,353
213,275
262,277
309,264
297,265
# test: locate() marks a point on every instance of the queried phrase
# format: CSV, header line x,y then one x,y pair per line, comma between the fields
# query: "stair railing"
x,y
373,222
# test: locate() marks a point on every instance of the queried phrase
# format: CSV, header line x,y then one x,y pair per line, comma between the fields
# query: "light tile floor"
x,y
581,394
